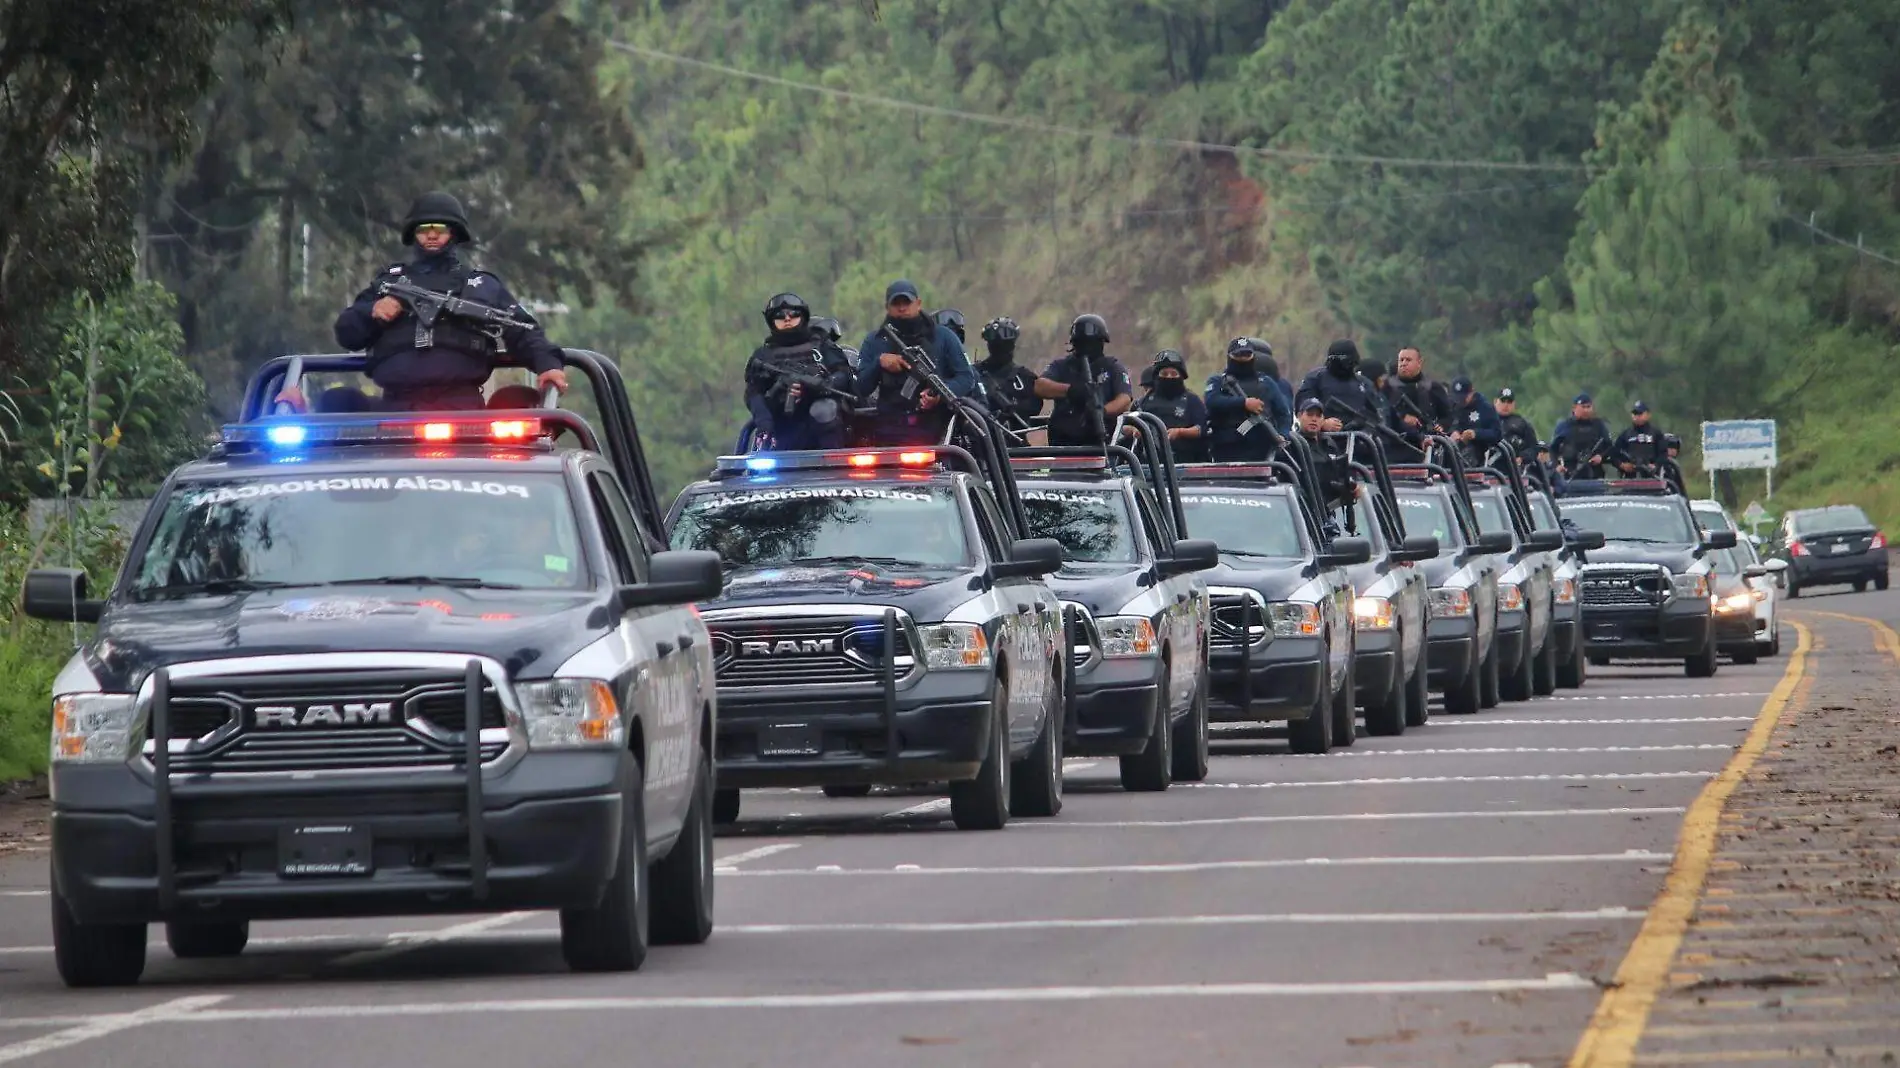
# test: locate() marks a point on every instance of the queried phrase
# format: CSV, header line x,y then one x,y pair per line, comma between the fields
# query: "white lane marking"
x,y
1228,865
1240,920
736,859
24,893
932,805
1657,721
1494,750
1554,981
173,1011
399,944
1427,780
1073,764
1220,821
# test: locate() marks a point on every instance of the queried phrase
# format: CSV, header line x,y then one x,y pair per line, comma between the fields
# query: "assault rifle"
x,y
1093,399
813,385
1356,420
429,306
922,370
1254,419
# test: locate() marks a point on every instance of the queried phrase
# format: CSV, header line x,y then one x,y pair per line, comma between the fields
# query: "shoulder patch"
x,y
394,268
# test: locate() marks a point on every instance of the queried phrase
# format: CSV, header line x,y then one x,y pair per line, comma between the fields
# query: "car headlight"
x,y
94,728
1510,597
570,714
1293,619
1566,591
1374,613
954,645
1759,594
1124,636
1693,585
1736,602
1451,602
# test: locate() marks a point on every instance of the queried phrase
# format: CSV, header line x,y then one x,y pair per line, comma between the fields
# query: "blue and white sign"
x,y
1738,444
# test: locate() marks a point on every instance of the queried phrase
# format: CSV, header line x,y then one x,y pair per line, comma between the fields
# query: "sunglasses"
x,y
786,315
432,229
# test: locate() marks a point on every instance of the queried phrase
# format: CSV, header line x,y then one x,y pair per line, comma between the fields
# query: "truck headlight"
x,y
1373,613
1451,602
1695,585
1566,591
570,714
954,645
94,728
1510,597
1294,619
1126,636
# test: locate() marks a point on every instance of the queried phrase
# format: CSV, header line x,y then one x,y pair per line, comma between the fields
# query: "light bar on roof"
x,y
290,435
1059,463
823,459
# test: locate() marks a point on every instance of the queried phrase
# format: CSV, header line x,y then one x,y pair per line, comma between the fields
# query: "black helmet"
x,y
1089,327
953,319
1002,329
1342,357
436,207
830,327
786,302
1171,358
1672,441
1248,348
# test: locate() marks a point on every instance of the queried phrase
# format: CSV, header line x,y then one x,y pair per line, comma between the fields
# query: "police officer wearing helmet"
x,y
1065,381
834,330
953,319
1518,432
1346,397
1008,387
793,380
441,367
1184,413
1238,397
1641,449
908,413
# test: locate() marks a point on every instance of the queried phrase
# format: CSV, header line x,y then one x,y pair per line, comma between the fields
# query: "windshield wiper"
x,y
858,560
1249,553
1643,540
460,582
214,586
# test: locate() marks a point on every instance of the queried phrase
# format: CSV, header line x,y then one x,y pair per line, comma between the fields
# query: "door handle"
x,y
664,649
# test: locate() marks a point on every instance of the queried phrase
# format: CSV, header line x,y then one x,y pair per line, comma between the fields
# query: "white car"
x,y
1712,516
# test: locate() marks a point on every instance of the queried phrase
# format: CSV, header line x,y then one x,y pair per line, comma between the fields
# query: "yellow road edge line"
x,y
1884,636
1610,1038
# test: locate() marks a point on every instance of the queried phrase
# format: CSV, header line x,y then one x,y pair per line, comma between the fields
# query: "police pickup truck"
x,y
1566,613
884,621
1393,607
361,665
1462,646
1282,644
1138,608
1527,588
1647,593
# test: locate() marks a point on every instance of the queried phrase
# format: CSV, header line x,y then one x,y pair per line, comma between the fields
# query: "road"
x,y
1450,897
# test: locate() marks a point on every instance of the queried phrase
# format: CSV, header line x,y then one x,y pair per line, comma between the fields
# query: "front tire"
x,y
1190,738
1418,704
1152,769
982,803
1745,656
207,941
1544,666
1571,673
1488,678
95,954
682,880
1388,716
1517,685
1035,783
612,936
1314,734
1465,698
725,810
1346,712
1702,664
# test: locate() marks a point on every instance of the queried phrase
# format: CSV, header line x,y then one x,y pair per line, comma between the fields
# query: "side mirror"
x,y
1754,571
1191,554
59,594
1421,547
1345,552
1586,540
1495,543
1776,565
677,576
1719,539
1030,558
1544,541
1755,540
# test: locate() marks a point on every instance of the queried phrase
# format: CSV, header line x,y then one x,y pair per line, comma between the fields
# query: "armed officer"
x,y
1245,408
1346,398
1582,442
1420,405
1518,432
1183,412
1329,466
1008,387
796,379
909,412
1641,450
834,332
440,367
1080,401
1476,427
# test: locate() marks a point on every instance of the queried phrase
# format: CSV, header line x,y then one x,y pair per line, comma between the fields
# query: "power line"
x,y
1857,245
1853,160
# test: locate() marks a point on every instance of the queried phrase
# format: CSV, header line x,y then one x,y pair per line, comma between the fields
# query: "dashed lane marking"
x,y
1554,981
1350,817
1428,780
722,864
89,1028
1645,721
24,893
399,944
935,804
1632,855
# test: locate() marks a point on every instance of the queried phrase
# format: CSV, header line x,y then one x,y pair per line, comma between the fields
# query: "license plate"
x,y
324,851
1839,547
1603,632
790,740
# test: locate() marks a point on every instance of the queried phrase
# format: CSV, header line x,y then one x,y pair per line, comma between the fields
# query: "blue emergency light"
x,y
279,436
821,459
287,436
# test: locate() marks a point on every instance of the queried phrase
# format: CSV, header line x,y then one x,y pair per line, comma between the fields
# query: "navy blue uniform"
x,y
440,368
1235,433
1480,417
1642,446
1520,435
1179,412
895,394
1009,389
1338,396
1422,398
1069,421
1575,441
813,421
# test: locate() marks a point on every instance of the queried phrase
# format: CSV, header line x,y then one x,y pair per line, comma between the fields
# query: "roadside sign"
x,y
1754,515
1738,444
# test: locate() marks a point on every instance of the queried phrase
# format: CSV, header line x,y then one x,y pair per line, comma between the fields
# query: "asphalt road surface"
x,y
1450,897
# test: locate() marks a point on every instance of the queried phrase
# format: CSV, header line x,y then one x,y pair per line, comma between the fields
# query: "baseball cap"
x,y
1638,408
1461,385
1312,404
1583,398
1507,393
903,287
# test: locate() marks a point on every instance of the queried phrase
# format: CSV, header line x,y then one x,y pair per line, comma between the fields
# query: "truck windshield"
x,y
1626,519
1490,512
906,525
1092,525
512,530
1246,524
1429,512
1545,514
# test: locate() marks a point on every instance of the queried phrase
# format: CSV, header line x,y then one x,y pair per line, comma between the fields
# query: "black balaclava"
x,y
1342,358
1170,387
1240,368
1001,355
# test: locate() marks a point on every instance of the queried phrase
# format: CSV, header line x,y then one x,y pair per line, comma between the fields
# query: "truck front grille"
x,y
1228,612
827,651
1624,588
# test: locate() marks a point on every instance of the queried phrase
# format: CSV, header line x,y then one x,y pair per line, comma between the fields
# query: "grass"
x,y
26,681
